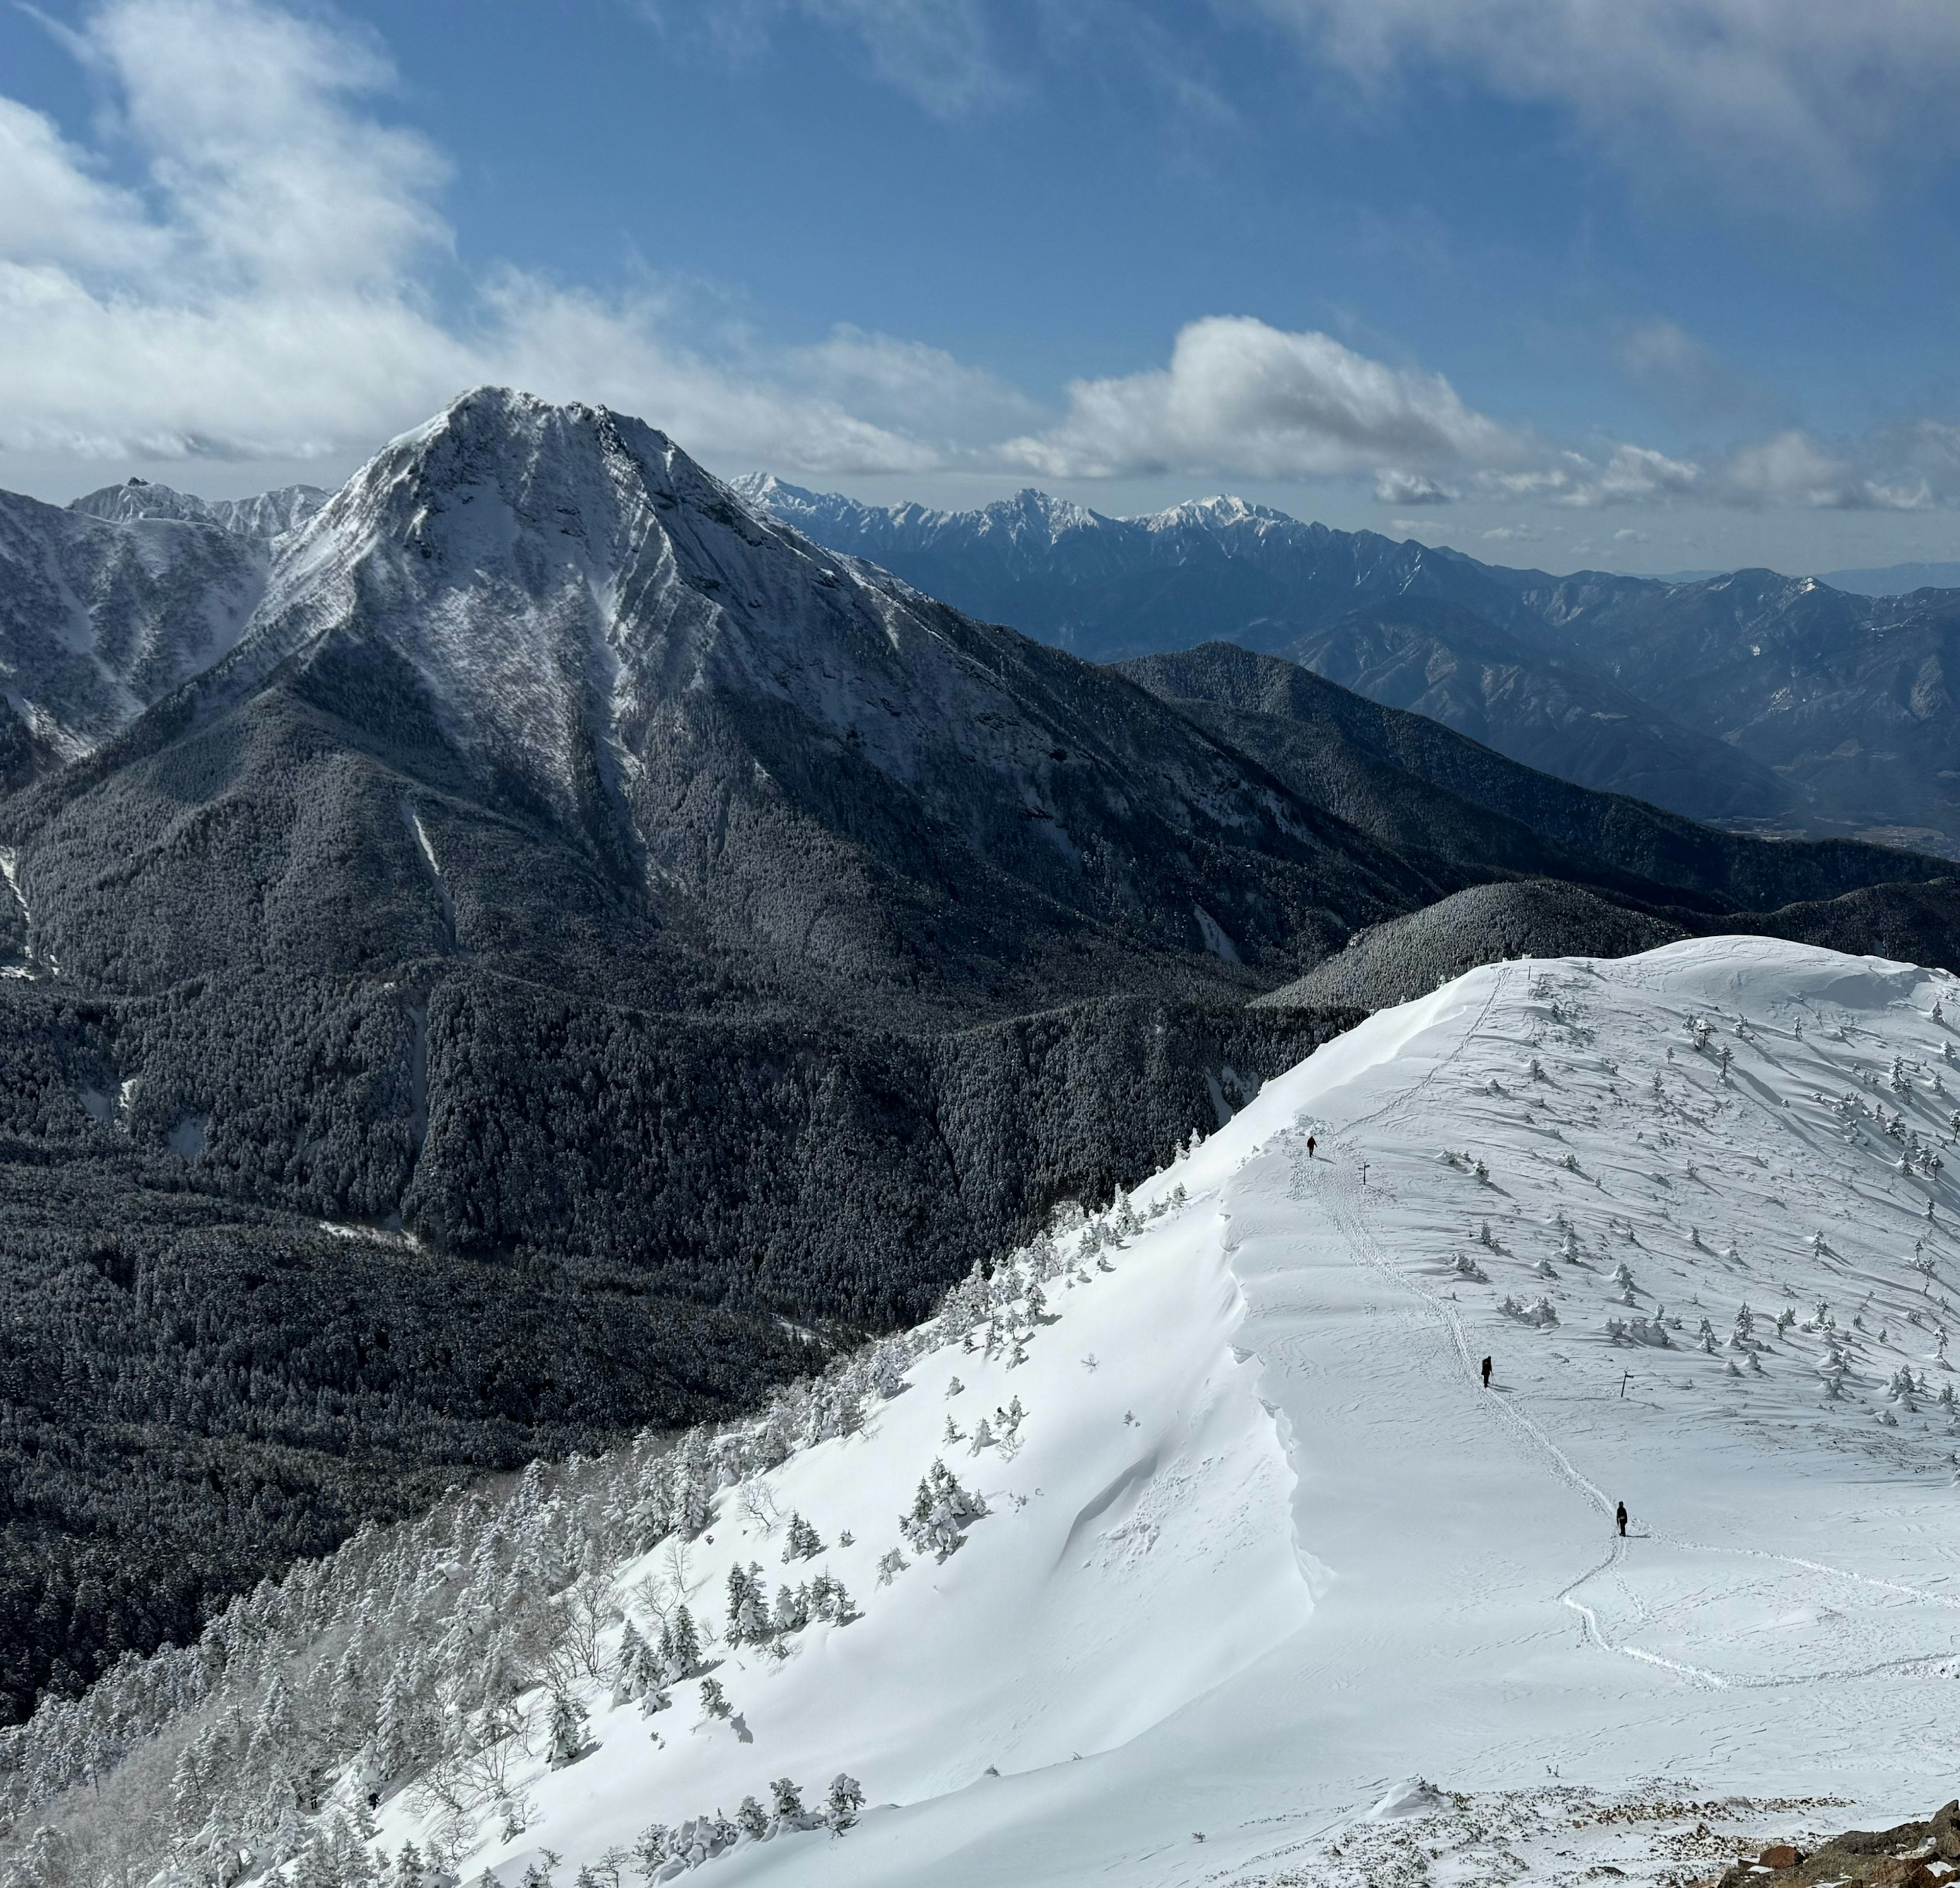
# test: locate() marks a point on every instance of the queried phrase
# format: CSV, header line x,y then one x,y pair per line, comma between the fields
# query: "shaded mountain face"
x,y
101,618
1844,697
1406,779
1748,698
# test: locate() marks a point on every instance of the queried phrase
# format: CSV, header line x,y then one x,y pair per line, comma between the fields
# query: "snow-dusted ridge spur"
x,y
1218,1537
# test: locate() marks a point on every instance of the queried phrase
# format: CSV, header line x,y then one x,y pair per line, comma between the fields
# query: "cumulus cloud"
x,y
1763,95
266,293
1243,398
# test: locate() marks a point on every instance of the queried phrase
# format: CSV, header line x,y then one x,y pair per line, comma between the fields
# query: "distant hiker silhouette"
x,y
1311,1145
1487,1372
1620,1515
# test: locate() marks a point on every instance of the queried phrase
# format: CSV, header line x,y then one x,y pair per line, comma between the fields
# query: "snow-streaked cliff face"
x,y
1258,1544
100,617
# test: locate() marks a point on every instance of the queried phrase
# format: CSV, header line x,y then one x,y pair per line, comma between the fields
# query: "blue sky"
x,y
1656,285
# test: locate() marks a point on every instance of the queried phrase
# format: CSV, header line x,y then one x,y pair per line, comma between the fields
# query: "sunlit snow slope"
x,y
1267,1548
1237,1647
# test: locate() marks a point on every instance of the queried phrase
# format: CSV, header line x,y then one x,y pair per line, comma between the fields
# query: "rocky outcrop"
x,y
1911,1855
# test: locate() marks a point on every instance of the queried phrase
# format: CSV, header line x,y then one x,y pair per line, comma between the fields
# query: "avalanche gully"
x,y
1230,1550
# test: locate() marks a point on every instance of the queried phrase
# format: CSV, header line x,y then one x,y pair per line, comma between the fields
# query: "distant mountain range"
x,y
1763,702
535,942
1894,580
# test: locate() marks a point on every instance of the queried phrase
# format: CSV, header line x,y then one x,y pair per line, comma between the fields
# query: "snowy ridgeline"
x,y
662,1617
1165,1549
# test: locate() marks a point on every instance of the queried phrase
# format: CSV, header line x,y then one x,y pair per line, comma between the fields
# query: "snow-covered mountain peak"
x,y
566,583
266,515
1222,512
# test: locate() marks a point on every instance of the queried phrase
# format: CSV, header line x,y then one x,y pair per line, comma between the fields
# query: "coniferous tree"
x,y
845,1798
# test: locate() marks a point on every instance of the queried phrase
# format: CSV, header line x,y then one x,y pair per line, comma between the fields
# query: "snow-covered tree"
x,y
566,1727
802,1543
941,1512
842,1802
748,1607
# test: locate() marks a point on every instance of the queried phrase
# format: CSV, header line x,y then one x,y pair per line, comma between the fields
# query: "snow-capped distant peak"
x,y
264,516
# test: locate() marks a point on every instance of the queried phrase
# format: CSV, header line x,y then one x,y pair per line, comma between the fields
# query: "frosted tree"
x,y
636,1667
842,1803
680,1647
653,1851
941,1511
713,1700
890,1565
802,1543
751,1819
828,1601
792,1609
566,1729
748,1609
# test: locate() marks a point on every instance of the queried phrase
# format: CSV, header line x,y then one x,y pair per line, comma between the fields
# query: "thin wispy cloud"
x,y
940,53
1778,100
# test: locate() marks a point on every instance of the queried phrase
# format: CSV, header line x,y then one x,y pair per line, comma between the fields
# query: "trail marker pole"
x,y
1624,1375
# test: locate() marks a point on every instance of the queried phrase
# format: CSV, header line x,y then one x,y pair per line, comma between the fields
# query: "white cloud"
x,y
1792,468
267,295
1394,486
1242,398
1766,96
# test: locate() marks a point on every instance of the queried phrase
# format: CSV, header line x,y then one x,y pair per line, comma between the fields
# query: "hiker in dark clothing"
x,y
1487,1372
1620,1515
1311,1145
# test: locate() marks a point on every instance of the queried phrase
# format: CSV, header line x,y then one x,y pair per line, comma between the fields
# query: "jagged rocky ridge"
x,y
570,875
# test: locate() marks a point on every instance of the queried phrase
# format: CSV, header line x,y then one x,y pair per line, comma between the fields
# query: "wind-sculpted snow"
x,y
1181,1546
